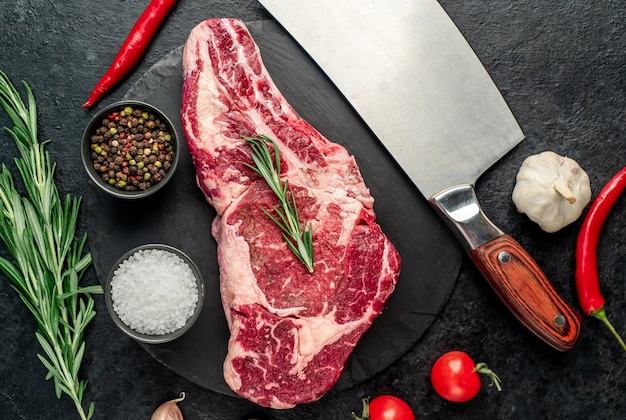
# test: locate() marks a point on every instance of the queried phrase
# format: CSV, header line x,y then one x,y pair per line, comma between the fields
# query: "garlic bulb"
x,y
169,410
551,190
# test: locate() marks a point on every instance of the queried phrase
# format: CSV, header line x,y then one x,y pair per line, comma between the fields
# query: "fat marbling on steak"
x,y
291,331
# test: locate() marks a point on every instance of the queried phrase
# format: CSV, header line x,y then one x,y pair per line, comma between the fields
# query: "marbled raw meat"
x,y
291,331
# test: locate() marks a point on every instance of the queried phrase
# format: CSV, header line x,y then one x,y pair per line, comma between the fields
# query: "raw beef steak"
x,y
291,331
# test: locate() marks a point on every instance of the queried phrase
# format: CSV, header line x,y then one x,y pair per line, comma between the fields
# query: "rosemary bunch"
x,y
299,238
39,231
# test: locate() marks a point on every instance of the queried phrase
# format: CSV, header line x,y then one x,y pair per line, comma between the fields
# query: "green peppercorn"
x,y
120,184
112,181
140,165
147,176
112,130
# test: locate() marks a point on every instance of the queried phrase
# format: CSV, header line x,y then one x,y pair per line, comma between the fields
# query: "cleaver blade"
x,y
410,74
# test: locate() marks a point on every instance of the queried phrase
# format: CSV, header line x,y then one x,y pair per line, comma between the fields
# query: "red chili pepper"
x,y
133,47
587,280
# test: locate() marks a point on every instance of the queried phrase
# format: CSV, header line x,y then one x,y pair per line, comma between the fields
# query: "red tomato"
x,y
388,407
455,378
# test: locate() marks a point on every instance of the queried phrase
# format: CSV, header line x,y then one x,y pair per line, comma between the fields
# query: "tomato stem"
x,y
484,369
366,414
601,315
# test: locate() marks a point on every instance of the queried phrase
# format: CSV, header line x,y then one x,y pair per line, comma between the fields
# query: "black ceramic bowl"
x,y
123,154
153,338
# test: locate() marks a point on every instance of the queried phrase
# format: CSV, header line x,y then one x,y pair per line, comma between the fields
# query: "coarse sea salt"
x,y
154,291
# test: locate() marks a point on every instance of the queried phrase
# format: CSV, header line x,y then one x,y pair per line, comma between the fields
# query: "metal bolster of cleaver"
x,y
512,273
460,206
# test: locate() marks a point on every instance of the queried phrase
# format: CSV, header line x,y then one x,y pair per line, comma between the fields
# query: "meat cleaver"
x,y
410,74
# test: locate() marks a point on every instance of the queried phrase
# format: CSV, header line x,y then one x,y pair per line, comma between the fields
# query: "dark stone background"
x,y
560,66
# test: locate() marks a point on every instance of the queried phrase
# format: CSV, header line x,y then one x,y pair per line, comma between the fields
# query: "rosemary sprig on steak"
x,y
298,236
39,231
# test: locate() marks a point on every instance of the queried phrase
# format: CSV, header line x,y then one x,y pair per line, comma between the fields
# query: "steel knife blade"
x,y
411,75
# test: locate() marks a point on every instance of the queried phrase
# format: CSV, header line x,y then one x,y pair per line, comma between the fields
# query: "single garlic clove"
x,y
169,410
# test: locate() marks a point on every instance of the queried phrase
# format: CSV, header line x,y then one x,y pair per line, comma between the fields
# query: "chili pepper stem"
x,y
601,315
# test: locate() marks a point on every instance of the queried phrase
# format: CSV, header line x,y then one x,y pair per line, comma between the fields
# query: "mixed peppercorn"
x,y
132,149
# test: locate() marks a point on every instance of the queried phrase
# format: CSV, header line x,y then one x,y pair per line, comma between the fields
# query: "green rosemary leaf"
x,y
88,311
12,272
298,237
78,358
47,348
95,290
92,408
60,387
83,263
32,308
33,222
32,111
72,303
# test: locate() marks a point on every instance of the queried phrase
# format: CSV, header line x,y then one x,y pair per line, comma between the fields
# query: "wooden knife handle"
x,y
523,287
510,270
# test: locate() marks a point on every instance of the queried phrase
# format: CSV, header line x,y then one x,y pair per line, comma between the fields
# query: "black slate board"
x,y
179,216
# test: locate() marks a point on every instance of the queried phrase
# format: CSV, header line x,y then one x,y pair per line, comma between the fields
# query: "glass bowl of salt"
x,y
154,293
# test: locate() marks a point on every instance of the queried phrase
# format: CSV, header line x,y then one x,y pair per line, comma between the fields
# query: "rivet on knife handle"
x,y
512,273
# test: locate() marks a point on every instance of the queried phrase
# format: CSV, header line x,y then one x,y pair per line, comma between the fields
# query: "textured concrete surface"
x,y
560,66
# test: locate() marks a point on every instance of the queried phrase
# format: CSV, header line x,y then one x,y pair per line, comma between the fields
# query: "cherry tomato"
x,y
385,407
456,377
388,407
